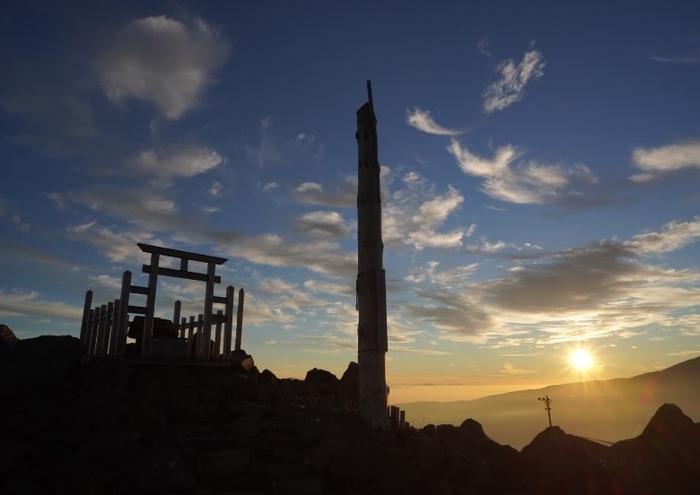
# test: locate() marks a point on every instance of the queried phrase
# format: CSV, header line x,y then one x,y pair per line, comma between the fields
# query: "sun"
x,y
581,360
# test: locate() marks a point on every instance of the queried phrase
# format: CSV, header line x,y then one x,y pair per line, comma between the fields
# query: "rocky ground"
x,y
115,426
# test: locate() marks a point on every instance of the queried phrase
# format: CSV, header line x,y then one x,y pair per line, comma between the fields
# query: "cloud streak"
x,y
664,159
424,122
510,88
512,180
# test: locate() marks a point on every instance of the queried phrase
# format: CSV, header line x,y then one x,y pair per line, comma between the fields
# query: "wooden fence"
x,y
104,328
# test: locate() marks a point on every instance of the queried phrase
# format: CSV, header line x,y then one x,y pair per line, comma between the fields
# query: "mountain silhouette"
x,y
607,410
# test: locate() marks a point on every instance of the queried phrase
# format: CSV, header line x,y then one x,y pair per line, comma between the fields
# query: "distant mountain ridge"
x,y
610,410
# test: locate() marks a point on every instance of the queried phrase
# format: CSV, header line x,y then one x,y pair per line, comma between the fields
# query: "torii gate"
x,y
371,279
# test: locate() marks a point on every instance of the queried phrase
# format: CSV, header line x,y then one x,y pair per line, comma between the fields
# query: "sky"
x,y
540,171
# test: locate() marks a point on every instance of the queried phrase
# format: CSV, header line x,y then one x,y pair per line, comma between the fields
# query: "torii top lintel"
x,y
177,253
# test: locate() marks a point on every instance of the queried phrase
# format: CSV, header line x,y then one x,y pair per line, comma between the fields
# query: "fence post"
x,y
394,420
176,317
89,331
109,321
228,324
86,315
123,317
208,301
102,329
150,307
199,349
94,331
239,320
217,334
114,333
190,339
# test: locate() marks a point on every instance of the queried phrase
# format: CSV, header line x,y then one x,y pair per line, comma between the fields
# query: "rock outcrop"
x,y
7,335
109,425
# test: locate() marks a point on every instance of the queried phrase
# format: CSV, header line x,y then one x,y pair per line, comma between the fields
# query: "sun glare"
x,y
581,360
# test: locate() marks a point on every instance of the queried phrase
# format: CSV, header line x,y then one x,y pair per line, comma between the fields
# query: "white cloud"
x,y
423,121
312,193
507,179
162,60
330,288
177,161
319,256
106,281
510,88
665,159
323,224
275,286
30,304
269,186
215,189
674,236
413,215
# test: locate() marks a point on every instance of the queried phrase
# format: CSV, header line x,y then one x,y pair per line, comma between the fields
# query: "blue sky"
x,y
540,176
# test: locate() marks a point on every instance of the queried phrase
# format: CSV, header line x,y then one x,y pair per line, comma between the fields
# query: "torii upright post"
x,y
371,282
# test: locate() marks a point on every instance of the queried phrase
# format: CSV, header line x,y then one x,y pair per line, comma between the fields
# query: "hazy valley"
x,y
609,410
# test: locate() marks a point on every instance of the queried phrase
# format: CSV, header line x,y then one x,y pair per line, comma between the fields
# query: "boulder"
x,y
350,382
267,377
242,361
36,365
162,328
7,335
321,377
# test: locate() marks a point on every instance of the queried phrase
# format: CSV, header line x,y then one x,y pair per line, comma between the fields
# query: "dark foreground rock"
x,y
113,426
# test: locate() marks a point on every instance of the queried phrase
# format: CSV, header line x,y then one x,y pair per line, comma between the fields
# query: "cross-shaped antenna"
x,y
547,401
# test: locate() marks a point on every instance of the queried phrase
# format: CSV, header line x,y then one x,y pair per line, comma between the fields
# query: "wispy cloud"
x,y
20,303
177,161
508,179
605,289
691,59
414,214
664,159
423,121
165,61
510,369
510,88
271,148
483,46
323,224
313,193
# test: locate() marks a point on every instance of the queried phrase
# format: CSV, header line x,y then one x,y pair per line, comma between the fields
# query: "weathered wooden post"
x,y
123,318
371,279
86,317
228,324
239,320
150,307
176,318
217,334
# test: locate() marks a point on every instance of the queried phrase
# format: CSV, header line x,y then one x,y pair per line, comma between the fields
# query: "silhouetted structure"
x,y
371,280
104,329
547,401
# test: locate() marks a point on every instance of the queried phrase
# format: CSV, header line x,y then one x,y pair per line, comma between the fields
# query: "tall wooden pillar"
x,y
371,282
